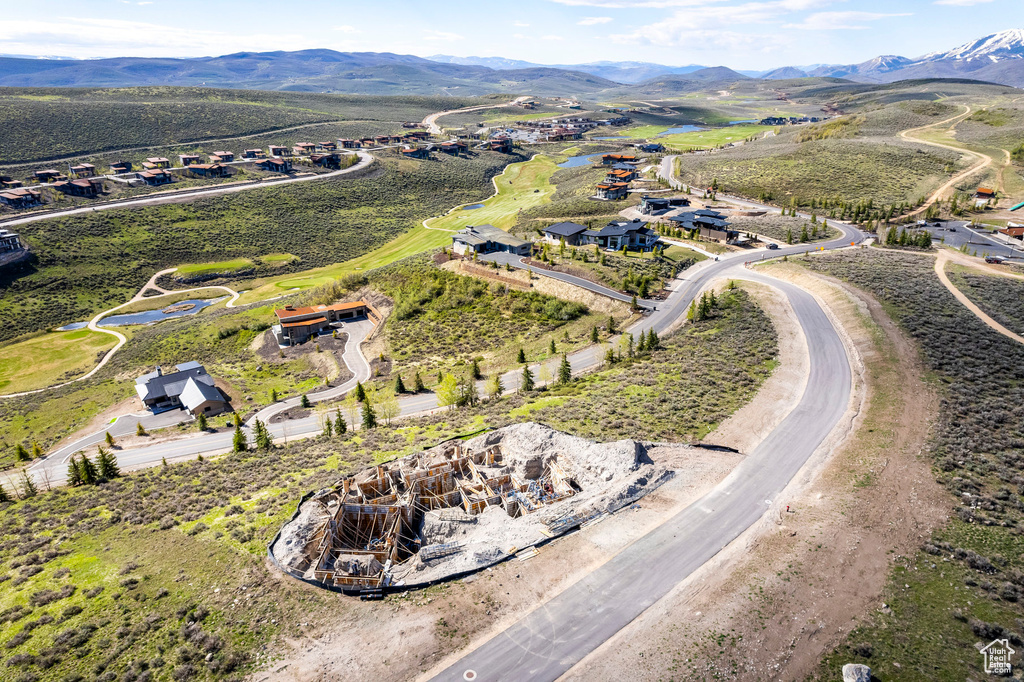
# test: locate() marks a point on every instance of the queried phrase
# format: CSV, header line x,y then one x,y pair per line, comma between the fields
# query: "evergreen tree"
x,y
107,464
593,334
551,347
28,486
328,427
37,451
110,439
633,304
803,234
88,471
163,462
494,386
564,371
74,472
417,384
527,383
201,422
789,235
239,443
20,453
236,418
641,345
262,433
360,392
369,416
644,289
140,430
304,400
399,384
475,370
691,312
273,395
611,324
653,342
4,497
340,427
630,346
609,356
521,356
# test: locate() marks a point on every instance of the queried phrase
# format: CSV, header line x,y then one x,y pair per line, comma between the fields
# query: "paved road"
x,y
975,239
177,197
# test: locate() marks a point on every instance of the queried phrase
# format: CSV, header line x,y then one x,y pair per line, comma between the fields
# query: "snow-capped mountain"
x,y
994,48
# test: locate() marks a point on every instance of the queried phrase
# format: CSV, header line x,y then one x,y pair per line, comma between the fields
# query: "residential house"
x,y
985,193
1015,232
348,144
612,191
500,144
418,135
277,150
709,224
7,182
84,170
453,147
189,388
571,233
21,197
651,148
158,162
327,146
332,161
633,235
275,165
189,159
488,239
253,154
157,176
222,157
366,142
612,159
48,175
304,149
209,170
297,325
89,188
9,241
415,152
651,205
121,167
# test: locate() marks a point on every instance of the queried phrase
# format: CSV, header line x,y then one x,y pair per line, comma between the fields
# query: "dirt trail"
x,y
984,162
940,270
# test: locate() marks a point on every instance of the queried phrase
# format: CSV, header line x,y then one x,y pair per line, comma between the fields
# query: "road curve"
x,y
173,198
549,641
940,271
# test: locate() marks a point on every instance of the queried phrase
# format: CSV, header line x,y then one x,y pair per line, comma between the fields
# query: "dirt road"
x,y
940,270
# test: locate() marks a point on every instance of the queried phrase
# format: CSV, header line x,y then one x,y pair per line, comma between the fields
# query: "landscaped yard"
x,y
202,269
50,358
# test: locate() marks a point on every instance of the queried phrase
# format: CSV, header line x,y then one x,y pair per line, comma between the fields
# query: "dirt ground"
x,y
799,582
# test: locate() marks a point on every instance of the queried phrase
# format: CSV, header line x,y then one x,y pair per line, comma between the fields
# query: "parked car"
x,y
773,246
994,259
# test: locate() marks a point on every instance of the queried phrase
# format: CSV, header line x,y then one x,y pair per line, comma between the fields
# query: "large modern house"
x,y
488,239
296,325
189,388
570,233
710,224
633,235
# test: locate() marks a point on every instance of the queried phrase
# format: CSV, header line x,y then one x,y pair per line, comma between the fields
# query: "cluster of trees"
x,y
84,471
902,237
630,348
704,307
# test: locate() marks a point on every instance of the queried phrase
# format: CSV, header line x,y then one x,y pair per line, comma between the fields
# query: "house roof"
x,y
565,229
194,393
613,185
623,166
156,385
157,159
304,323
1013,231
985,190
288,312
481,234
618,229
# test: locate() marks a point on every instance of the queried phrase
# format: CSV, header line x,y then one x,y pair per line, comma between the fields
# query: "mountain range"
x,y
997,58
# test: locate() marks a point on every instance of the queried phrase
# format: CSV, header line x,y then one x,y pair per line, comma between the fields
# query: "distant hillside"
x,y
304,71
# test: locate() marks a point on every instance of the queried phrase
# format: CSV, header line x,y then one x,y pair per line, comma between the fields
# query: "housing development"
x,y
347,363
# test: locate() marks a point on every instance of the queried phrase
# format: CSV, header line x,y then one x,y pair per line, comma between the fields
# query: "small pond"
x,y
577,161
749,120
472,207
179,309
681,129
73,326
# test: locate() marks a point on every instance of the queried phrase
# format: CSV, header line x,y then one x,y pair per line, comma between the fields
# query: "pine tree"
x,y
653,342
803,234
360,392
110,439
475,370
494,386
328,428
644,290
789,235
163,462
527,382
691,312
593,334
304,400
641,345
263,438
369,416
521,356
564,371
201,422
273,395
74,472
107,464
611,324
417,384
28,486
140,430
88,471
630,347
340,427
4,497
239,443
551,347
236,418
399,384
20,453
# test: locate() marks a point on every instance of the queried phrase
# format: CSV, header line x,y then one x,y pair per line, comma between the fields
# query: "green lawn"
x,y
712,138
199,269
50,358
278,258
643,131
522,186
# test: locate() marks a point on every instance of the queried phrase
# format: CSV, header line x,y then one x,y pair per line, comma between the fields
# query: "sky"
x,y
740,34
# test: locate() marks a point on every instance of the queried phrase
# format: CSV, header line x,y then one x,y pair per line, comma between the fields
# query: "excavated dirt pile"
x,y
460,507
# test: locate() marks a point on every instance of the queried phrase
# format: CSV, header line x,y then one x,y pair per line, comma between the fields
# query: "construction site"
x,y
459,507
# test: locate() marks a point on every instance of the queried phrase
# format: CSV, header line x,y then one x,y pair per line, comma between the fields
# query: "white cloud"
x,y
961,3
836,21
593,21
520,24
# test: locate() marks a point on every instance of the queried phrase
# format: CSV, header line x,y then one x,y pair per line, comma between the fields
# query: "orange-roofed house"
x,y
296,324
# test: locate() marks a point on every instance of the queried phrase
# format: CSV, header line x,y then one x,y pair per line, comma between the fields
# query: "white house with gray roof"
x,y
488,239
189,388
